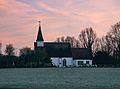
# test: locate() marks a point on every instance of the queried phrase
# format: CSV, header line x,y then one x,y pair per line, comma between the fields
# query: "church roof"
x,y
54,49
81,53
39,36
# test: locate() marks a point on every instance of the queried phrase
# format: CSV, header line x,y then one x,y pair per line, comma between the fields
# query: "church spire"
x,y
39,36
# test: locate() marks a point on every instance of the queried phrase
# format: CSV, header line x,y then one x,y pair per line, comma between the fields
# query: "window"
x,y
87,62
80,63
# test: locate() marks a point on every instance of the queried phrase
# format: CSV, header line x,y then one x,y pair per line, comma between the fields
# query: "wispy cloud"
x,y
18,18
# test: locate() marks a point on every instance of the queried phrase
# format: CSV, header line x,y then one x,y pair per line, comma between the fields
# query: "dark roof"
x,y
55,49
81,53
39,36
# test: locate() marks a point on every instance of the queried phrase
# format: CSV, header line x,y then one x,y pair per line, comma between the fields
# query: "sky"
x,y
19,19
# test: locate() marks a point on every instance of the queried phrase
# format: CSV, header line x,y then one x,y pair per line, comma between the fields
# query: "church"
x,y
62,54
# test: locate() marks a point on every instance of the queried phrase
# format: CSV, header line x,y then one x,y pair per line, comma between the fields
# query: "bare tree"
x,y
103,44
96,45
113,38
10,50
107,47
73,42
77,45
68,39
60,39
87,38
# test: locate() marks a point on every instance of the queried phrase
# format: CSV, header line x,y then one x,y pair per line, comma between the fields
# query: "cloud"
x,y
15,21
18,23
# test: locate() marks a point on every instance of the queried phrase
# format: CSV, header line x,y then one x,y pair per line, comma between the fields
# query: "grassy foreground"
x,y
60,78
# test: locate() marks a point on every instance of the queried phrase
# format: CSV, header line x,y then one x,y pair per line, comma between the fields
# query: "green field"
x,y
60,78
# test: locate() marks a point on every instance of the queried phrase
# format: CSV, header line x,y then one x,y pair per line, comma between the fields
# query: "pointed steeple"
x,y
39,36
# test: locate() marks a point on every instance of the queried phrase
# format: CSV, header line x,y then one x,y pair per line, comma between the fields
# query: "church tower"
x,y
39,48
39,40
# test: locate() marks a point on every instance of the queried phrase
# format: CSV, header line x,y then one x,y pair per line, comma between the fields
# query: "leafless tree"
x,y
60,39
113,39
107,40
10,50
69,39
96,45
103,44
73,42
87,38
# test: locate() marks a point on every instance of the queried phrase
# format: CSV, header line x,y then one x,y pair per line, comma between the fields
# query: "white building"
x,y
82,57
61,54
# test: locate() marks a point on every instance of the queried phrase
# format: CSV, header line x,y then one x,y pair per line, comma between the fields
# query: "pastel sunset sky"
x,y
19,19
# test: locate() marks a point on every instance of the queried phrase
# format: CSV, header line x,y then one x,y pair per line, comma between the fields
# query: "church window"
x,y
87,62
80,63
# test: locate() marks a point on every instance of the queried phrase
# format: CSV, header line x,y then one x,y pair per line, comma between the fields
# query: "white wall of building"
x,y
82,60
55,61
58,62
69,61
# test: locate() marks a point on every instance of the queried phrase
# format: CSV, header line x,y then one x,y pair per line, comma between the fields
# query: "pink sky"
x,y
18,19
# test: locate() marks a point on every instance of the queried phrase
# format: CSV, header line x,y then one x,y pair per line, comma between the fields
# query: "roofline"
x,y
57,42
80,48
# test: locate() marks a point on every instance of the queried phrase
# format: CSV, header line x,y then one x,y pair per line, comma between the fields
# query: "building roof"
x,y
81,53
54,49
39,36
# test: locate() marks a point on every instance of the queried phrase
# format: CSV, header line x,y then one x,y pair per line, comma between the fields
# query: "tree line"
x,y
105,51
26,58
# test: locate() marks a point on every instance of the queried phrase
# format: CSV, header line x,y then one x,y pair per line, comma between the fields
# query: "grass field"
x,y
60,78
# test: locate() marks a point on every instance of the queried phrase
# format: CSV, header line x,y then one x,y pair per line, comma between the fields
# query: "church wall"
x,y
55,61
58,62
69,61
82,60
